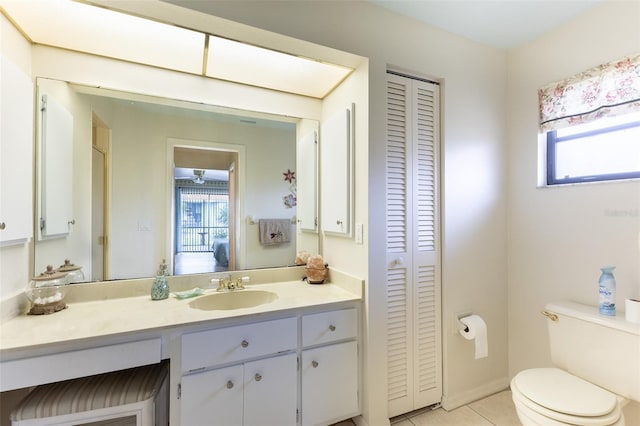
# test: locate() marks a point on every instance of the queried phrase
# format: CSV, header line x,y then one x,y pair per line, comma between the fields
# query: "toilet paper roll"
x,y
476,329
632,310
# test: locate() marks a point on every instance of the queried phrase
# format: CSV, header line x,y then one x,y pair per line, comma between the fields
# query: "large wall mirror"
x,y
157,178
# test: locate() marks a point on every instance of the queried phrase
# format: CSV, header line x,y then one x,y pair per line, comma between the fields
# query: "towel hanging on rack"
x,y
274,231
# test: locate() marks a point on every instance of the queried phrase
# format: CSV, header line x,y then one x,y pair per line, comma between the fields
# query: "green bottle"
x,y
160,286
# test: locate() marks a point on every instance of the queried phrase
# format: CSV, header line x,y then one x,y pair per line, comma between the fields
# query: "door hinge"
x,y
44,103
42,223
298,361
297,415
179,390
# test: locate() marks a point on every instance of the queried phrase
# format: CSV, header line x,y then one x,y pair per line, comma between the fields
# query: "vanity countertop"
x,y
122,316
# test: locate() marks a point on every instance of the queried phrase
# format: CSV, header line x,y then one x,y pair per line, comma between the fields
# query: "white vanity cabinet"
x,y
258,388
329,367
256,393
299,370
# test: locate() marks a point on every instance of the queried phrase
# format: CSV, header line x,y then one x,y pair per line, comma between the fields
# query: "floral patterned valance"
x,y
606,90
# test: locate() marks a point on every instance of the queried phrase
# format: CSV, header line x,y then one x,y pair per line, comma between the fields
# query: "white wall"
x,y
473,179
559,237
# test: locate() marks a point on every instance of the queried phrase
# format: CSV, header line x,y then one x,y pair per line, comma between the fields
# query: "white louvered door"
x,y
413,253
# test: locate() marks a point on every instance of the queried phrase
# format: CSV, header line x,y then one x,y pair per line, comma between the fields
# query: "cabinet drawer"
x,y
25,372
329,326
231,344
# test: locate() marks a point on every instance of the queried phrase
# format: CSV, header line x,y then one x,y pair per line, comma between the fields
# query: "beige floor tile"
x,y
463,416
498,409
631,413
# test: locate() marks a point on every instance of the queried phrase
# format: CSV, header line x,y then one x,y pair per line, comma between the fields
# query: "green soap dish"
x,y
189,293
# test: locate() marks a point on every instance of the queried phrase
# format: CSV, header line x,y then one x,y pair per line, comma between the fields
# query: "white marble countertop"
x,y
121,316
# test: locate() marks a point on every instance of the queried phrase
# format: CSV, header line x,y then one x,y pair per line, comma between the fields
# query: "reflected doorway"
x,y
101,149
204,210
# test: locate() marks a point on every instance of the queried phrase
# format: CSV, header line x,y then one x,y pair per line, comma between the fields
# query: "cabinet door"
x,y
270,391
212,398
16,154
329,383
336,148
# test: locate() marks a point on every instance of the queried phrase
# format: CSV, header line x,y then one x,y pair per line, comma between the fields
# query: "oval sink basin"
x,y
233,300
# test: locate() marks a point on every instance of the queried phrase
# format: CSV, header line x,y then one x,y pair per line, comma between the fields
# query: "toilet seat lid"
x,y
562,392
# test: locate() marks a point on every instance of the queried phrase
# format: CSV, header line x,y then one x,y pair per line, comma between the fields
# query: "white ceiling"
x,y
503,24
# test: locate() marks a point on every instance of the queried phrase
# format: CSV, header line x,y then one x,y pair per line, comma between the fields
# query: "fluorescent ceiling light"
x,y
85,28
234,61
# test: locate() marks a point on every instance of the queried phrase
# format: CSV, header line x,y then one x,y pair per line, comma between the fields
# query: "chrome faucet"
x,y
230,284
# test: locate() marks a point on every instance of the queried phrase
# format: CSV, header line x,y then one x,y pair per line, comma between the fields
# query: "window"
x,y
605,149
592,124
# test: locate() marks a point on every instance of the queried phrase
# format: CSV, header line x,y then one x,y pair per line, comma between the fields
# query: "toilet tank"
x,y
600,349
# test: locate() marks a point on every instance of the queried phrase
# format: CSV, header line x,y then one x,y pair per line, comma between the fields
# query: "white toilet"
x,y
598,370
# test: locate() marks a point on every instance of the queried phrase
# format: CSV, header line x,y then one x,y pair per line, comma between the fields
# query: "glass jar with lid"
x,y
74,272
47,291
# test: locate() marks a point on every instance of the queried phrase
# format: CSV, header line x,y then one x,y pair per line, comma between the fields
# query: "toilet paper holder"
x,y
462,326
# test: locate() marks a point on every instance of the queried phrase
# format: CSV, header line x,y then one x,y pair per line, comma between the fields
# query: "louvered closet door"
x,y
413,265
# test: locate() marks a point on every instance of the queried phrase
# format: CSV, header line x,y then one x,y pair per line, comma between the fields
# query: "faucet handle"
x,y
219,283
240,282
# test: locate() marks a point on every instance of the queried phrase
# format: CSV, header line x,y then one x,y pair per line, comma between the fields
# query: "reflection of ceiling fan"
x,y
198,176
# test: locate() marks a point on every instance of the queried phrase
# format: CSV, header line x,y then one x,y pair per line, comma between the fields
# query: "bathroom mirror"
x,y
131,156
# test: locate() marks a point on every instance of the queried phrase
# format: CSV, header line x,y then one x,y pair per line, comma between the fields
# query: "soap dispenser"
x,y
160,286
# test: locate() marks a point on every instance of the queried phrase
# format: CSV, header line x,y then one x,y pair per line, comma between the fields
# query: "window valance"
x,y
606,90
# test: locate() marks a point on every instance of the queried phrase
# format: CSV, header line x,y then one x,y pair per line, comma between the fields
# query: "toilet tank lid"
x,y
590,313
562,392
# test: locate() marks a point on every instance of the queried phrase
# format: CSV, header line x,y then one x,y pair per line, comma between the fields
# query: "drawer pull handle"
x,y
332,327
229,384
244,344
314,364
258,377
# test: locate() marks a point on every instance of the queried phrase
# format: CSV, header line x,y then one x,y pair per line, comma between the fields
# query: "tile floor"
x,y
497,410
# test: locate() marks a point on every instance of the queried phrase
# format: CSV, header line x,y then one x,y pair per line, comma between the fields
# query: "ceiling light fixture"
x,y
198,176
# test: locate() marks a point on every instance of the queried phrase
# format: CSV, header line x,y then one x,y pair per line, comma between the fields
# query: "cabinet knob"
x,y
258,377
244,344
332,327
229,384
2,226
314,364
338,222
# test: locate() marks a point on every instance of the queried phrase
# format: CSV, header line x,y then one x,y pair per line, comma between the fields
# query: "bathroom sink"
x,y
233,300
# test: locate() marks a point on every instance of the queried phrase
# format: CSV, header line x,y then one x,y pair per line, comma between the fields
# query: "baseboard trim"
x,y
451,402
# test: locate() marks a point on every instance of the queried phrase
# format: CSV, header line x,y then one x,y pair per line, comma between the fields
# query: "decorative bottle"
x,y
160,286
607,291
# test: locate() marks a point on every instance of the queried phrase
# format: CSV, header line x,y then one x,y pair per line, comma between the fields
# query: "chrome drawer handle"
x,y
244,344
229,384
258,377
314,364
